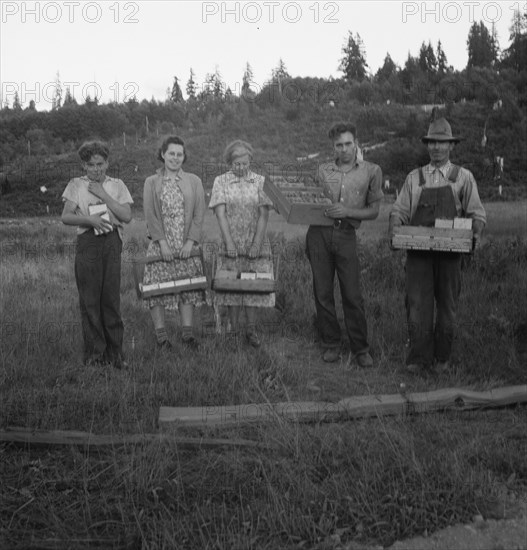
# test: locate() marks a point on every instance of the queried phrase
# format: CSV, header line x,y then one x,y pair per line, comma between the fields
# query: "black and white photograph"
x,y
263,275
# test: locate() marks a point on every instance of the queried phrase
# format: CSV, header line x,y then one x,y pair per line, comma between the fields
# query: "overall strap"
x,y
454,171
421,177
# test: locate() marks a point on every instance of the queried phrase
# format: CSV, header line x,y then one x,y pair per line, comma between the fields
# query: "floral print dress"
x,y
242,197
172,210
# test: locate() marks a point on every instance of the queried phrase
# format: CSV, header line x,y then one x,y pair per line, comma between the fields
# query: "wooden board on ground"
x,y
48,438
345,409
296,213
408,237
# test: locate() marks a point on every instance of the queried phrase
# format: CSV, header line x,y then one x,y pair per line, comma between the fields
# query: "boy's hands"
x,y
96,188
99,223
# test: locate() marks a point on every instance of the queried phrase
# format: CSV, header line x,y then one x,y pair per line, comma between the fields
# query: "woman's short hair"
x,y
176,140
94,147
237,148
341,128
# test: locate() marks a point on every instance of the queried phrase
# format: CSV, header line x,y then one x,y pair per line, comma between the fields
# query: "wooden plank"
x,y
50,438
407,237
263,286
148,292
348,408
138,273
433,232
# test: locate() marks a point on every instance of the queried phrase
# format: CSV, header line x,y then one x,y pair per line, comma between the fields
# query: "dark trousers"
x,y
98,277
333,251
431,277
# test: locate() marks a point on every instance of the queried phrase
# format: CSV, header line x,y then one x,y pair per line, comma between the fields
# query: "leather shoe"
x,y
364,360
331,355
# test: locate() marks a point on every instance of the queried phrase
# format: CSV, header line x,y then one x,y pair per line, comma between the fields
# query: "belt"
x,y
342,224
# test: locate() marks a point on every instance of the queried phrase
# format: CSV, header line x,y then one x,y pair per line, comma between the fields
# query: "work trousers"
x,y
333,250
98,277
433,282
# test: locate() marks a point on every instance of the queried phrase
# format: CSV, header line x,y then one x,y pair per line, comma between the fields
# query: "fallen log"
x,y
401,404
48,438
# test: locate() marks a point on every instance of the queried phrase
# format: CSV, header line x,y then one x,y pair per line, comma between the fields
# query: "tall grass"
x,y
327,484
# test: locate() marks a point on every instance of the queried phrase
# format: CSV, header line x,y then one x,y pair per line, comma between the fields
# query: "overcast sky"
x,y
119,49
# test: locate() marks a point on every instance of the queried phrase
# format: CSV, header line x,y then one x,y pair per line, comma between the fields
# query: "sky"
x,y
118,49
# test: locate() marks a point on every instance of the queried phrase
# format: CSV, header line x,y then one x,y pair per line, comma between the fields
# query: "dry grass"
x,y
368,481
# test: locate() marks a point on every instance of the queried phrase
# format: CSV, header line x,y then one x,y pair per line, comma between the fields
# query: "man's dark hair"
x,y
342,128
176,140
90,148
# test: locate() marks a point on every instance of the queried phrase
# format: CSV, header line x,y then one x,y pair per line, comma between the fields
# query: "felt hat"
x,y
440,130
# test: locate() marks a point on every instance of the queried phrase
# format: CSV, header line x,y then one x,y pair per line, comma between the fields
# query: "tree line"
x,y
494,83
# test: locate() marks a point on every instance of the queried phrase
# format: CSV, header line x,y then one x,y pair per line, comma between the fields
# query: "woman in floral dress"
x,y
174,207
242,210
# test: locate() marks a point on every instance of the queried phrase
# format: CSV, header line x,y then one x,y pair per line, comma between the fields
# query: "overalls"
x,y
432,276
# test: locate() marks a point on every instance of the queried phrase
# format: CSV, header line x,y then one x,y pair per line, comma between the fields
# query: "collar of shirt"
x,y
444,170
87,179
337,168
161,172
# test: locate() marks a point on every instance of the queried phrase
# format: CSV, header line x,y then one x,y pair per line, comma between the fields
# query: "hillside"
x,y
389,133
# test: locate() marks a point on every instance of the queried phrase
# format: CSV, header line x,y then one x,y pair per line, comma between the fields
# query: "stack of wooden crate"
x,y
446,236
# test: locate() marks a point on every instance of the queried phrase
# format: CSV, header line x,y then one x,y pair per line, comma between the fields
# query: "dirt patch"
x,y
482,534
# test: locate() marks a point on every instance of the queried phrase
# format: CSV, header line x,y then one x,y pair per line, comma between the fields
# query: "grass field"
x,y
324,485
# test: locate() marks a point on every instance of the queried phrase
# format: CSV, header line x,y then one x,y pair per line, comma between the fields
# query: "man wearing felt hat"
x,y
438,190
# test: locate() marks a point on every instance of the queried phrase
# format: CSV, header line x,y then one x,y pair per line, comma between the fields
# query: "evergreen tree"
x,y
217,85
442,63
68,98
427,59
515,56
280,72
176,96
57,97
482,50
191,86
410,71
17,106
246,80
388,69
213,86
353,64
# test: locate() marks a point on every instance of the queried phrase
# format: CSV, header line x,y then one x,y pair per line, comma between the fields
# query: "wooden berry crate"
x,y
224,284
408,237
169,287
296,212
238,281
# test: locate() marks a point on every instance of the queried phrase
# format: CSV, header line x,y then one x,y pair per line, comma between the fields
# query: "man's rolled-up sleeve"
x,y
402,206
375,186
470,201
